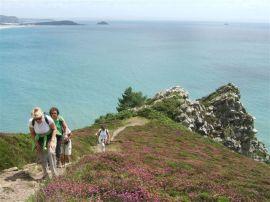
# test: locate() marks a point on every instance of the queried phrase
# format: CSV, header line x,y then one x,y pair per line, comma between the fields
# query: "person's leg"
x,y
58,149
62,159
42,155
103,145
52,160
68,158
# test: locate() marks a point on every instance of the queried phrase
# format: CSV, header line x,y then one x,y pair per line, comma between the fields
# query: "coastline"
x,y
14,26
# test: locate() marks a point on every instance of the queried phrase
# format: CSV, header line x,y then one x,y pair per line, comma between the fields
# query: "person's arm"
x,y
98,133
64,126
109,136
54,132
33,135
69,135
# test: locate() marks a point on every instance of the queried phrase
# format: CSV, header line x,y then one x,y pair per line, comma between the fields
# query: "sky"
x,y
193,10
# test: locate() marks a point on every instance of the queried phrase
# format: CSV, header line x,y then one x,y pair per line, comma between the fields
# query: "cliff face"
x,y
219,115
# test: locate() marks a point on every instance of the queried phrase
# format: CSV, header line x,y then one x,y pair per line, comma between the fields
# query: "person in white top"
x,y
103,137
43,132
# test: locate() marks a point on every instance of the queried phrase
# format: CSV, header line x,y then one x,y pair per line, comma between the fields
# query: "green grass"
x,y
15,150
162,162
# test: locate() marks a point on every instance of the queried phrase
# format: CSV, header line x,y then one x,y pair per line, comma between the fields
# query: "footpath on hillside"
x,y
134,121
19,184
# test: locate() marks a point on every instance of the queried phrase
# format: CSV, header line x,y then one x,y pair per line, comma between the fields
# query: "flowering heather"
x,y
156,162
140,172
74,189
137,194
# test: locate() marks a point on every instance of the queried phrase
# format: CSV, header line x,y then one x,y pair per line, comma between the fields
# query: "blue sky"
x,y
202,10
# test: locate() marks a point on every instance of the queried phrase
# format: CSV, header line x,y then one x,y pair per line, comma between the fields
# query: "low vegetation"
x,y
15,150
162,162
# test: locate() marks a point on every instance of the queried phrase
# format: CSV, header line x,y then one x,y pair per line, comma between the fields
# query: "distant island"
x,y
63,22
15,21
102,23
8,19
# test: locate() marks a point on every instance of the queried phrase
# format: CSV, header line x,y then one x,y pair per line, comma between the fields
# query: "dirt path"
x,y
134,121
19,184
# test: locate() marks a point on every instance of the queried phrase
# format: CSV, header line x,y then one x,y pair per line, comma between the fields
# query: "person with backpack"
x,y
103,137
43,132
61,129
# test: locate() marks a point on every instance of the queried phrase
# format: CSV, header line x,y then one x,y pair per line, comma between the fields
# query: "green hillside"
x,y
161,161
15,150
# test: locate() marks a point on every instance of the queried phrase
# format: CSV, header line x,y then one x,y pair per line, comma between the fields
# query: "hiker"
x,y
61,129
103,137
66,147
43,132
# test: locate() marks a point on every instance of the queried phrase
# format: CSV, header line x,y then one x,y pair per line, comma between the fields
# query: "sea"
x,y
84,69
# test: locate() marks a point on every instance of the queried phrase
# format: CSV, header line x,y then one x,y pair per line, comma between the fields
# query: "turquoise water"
x,y
84,69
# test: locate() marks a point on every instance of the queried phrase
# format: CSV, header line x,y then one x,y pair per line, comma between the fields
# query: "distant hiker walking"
x,y
43,132
61,130
103,137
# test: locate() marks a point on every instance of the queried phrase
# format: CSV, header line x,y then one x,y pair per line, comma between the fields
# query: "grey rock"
x,y
214,114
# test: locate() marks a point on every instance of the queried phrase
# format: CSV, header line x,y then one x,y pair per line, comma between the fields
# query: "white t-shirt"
x,y
103,133
43,127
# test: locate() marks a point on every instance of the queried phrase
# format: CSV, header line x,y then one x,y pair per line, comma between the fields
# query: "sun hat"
x,y
37,112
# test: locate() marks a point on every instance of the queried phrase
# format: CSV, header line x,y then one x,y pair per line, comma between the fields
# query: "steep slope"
x,y
19,184
219,115
162,162
15,150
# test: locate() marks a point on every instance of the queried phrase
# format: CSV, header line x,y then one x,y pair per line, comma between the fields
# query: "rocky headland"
x,y
220,116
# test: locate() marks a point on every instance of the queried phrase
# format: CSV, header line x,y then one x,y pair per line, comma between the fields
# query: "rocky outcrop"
x,y
219,115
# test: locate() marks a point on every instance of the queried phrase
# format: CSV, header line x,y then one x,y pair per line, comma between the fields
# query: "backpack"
x,y
46,120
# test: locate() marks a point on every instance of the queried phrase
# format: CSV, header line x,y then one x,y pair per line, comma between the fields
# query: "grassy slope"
x,y
164,163
16,149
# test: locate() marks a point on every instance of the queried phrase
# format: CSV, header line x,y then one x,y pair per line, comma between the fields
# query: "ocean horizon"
x,y
84,69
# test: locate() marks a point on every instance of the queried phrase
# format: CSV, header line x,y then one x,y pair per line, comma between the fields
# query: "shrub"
x,y
130,100
117,116
168,106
